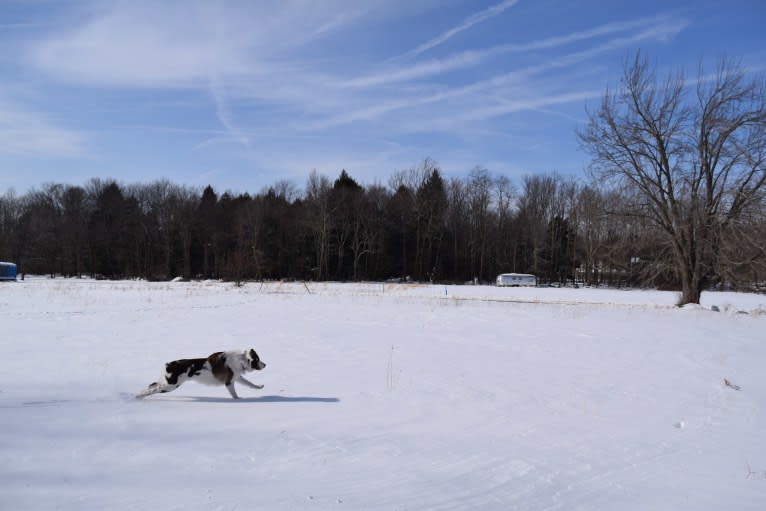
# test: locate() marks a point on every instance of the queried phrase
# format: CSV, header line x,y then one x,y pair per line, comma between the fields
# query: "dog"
x,y
220,368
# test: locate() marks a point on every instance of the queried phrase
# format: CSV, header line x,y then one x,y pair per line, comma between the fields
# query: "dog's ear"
x,y
253,355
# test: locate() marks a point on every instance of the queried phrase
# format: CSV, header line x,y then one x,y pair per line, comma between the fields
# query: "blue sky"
x,y
243,94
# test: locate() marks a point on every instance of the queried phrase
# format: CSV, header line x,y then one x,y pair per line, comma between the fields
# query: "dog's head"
x,y
254,360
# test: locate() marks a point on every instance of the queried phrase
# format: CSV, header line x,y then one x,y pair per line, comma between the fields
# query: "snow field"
x,y
381,397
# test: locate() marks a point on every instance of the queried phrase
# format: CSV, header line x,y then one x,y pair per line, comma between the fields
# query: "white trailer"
x,y
516,279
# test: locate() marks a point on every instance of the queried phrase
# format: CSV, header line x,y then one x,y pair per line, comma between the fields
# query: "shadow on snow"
x,y
262,399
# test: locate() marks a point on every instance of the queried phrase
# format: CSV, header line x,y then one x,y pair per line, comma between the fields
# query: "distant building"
x,y
516,279
7,271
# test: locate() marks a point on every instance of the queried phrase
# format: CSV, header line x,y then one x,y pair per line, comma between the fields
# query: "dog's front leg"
x,y
243,381
230,388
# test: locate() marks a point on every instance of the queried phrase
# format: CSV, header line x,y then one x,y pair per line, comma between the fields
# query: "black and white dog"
x,y
221,368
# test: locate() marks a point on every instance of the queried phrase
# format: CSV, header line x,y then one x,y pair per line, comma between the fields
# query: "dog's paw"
x,y
259,386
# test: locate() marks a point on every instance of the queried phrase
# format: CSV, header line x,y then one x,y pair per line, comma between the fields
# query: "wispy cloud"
x,y
13,26
218,92
470,58
128,46
431,67
462,26
183,44
25,132
534,103
497,84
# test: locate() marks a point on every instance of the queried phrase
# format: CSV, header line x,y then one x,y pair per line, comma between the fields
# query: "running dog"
x,y
221,368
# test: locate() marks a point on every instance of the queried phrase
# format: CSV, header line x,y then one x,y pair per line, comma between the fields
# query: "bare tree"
x,y
156,200
345,199
505,196
430,207
12,239
537,207
207,216
697,161
367,227
319,221
457,222
401,219
743,250
74,227
44,220
590,223
479,189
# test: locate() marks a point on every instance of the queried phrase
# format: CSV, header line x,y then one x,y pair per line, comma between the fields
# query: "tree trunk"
x,y
691,289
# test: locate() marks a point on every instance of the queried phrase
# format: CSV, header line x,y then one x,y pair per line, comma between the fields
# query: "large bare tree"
x,y
693,153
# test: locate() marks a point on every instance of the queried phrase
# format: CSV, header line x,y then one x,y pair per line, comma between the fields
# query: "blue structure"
x,y
7,271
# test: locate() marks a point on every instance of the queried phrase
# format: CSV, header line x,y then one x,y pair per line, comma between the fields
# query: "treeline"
x,y
420,226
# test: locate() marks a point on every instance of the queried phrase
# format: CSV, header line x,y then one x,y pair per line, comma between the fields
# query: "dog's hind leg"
x,y
176,373
153,388
157,387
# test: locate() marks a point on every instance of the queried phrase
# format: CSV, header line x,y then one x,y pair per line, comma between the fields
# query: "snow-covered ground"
x,y
382,397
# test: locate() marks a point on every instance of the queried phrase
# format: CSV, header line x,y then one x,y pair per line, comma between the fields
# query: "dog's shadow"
x,y
261,399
